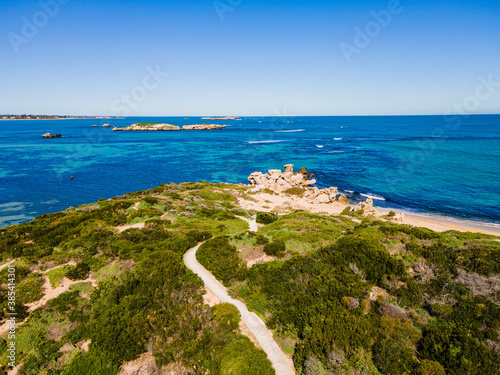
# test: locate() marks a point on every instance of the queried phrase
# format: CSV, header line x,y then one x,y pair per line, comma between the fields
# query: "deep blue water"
x,y
423,163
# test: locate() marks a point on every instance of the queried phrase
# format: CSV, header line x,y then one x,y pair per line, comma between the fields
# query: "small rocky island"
x,y
148,127
167,127
50,135
203,127
220,118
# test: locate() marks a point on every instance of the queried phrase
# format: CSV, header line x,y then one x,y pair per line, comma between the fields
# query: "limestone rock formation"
x,y
167,127
343,199
366,207
399,217
144,365
203,127
50,135
106,126
278,182
316,195
148,127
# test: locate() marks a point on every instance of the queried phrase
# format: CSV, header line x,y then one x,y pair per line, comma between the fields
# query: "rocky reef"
x,y
148,127
168,127
297,183
50,135
220,118
203,127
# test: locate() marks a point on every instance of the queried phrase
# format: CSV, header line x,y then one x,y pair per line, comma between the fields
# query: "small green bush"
x,y
219,257
266,218
346,210
298,191
275,248
261,240
199,236
151,200
430,368
78,272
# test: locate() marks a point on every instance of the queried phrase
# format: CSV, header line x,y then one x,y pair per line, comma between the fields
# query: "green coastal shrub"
x,y
368,255
261,240
78,272
199,236
266,218
30,289
275,248
346,211
145,212
220,257
151,200
64,301
427,367
298,191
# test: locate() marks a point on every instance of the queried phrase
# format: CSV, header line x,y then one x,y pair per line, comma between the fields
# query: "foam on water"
x,y
269,141
373,155
374,197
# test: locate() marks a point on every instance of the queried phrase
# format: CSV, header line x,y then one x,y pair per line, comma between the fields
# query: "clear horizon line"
x,y
240,116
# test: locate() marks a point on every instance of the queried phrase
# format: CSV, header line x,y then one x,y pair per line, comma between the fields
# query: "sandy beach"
x,y
284,203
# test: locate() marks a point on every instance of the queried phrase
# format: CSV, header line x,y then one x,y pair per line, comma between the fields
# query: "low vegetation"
x,y
342,296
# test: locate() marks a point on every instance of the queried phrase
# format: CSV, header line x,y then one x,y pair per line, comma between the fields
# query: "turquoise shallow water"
x,y
426,164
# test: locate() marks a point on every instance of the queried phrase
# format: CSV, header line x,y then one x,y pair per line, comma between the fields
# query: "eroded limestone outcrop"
x,y
168,127
366,207
203,127
148,127
297,183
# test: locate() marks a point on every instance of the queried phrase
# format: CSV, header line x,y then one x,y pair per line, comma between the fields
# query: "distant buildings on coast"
x,y
49,117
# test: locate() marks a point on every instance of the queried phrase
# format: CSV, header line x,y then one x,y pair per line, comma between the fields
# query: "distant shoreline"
x,y
59,118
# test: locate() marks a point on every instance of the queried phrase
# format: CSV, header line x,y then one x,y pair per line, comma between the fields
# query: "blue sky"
x,y
249,58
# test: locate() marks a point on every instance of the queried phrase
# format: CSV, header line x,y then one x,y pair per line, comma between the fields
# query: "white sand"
x,y
280,202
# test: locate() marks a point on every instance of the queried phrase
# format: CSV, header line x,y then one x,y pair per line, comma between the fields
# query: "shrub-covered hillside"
x,y
373,297
344,295
145,300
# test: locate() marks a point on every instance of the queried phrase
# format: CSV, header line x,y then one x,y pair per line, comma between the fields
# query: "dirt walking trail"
x,y
253,322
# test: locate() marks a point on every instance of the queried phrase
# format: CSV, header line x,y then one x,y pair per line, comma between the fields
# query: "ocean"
x,y
434,165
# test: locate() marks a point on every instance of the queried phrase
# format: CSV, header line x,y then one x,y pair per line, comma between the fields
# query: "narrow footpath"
x,y
253,322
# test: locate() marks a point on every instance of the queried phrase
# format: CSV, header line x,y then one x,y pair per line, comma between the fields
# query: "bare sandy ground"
x,y
253,226
49,293
280,202
7,264
123,228
15,370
